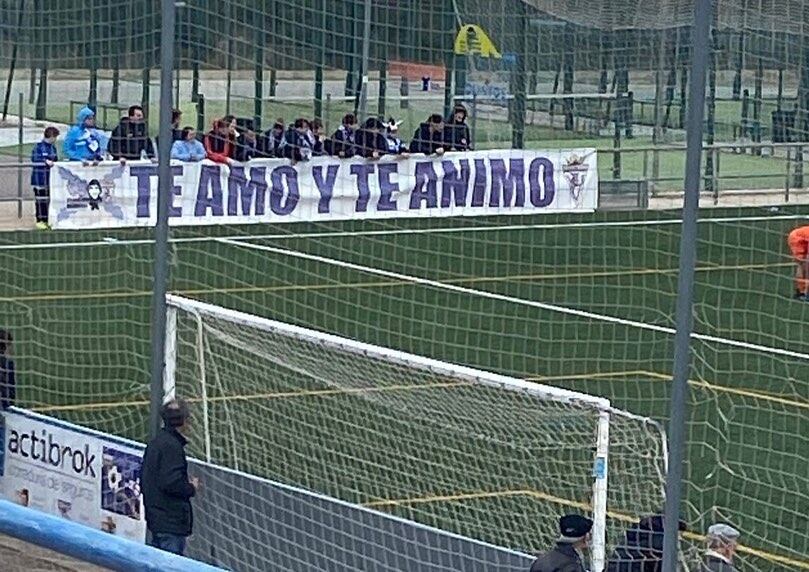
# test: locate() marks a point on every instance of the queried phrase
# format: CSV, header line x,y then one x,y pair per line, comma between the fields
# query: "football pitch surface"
x,y
579,302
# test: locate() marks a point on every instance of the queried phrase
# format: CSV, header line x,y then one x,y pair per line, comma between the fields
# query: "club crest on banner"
x,y
575,170
93,194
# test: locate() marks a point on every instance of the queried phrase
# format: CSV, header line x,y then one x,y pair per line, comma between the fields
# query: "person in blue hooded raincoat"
x,y
83,141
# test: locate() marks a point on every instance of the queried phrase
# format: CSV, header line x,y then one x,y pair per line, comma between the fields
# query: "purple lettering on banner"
x,y
538,197
209,192
506,183
143,174
325,186
426,188
176,210
455,183
387,187
277,203
248,192
481,183
362,171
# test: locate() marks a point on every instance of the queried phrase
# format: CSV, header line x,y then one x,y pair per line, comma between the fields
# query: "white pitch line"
x,y
513,300
111,241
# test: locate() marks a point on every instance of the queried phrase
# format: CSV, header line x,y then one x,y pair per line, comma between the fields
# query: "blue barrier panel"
x,y
90,545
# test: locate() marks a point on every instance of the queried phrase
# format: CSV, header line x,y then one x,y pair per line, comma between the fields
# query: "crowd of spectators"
x,y
234,140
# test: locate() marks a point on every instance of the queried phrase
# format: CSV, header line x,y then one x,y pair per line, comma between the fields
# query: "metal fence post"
x,y
685,289
20,139
161,260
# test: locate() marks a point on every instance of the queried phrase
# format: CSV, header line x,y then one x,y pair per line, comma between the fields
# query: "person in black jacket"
x,y
167,489
370,140
574,536
270,141
129,140
429,138
296,144
8,382
341,144
458,137
642,549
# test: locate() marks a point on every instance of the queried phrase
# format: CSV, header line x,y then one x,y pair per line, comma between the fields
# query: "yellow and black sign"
x,y
473,40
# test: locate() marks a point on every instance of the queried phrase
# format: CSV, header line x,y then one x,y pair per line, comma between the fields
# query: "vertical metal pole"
x,y
685,287
366,50
20,138
161,258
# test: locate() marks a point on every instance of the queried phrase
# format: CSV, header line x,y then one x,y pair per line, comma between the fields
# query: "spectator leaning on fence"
x,y
458,137
246,147
370,139
429,137
574,537
270,141
395,144
188,148
296,144
167,489
218,145
130,140
341,144
318,138
8,381
83,141
722,540
43,157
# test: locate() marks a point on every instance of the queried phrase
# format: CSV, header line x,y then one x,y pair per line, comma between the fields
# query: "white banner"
x,y
69,473
497,182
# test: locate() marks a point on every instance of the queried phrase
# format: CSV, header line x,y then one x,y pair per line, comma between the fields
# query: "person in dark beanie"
x,y
429,138
43,156
642,548
8,381
341,144
574,537
458,136
370,140
176,130
129,140
167,489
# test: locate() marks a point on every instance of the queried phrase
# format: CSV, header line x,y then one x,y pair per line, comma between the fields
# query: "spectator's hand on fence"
x,y
439,151
375,155
122,161
341,155
48,163
195,483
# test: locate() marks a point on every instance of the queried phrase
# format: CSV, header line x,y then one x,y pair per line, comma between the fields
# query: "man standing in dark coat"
x,y
642,547
722,542
8,383
167,489
574,536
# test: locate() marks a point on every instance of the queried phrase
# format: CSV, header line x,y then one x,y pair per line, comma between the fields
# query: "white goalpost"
x,y
478,454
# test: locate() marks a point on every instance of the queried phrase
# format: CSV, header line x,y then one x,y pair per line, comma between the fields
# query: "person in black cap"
x,y
642,549
167,489
574,536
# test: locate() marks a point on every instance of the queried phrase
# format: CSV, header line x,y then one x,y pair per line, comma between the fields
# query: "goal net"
x,y
474,453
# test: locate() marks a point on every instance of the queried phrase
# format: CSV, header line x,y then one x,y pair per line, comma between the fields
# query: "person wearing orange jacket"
x,y
217,142
798,242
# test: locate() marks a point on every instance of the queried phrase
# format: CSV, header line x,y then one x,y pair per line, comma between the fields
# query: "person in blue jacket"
x,y
83,141
188,148
43,157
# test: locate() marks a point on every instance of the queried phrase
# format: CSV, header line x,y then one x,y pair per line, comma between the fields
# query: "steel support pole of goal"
x,y
161,259
685,286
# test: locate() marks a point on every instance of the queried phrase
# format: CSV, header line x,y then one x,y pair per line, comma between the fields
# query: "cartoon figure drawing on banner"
x,y
91,194
575,170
